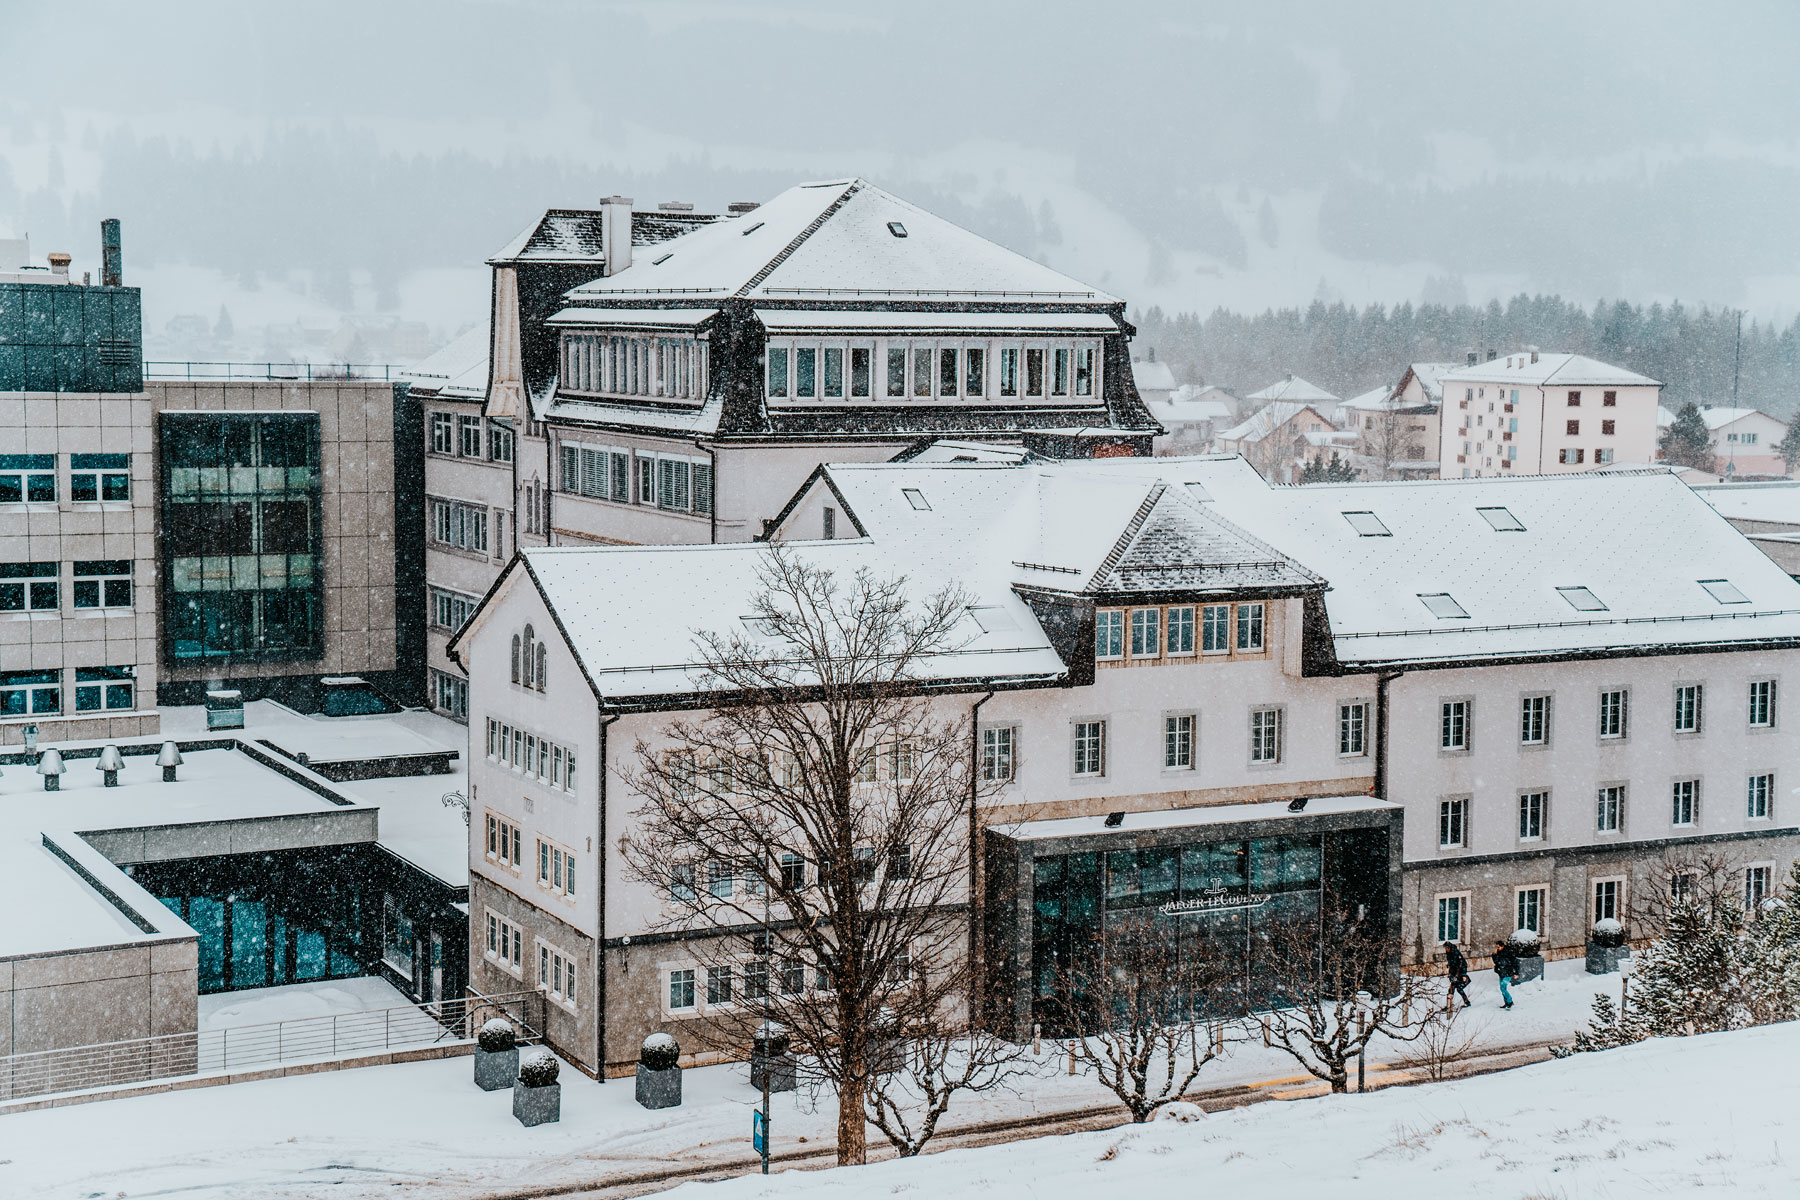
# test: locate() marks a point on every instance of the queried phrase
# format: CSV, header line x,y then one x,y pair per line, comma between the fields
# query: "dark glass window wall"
x,y
241,535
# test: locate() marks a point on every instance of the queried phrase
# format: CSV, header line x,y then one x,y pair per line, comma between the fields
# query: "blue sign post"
x,y
756,1131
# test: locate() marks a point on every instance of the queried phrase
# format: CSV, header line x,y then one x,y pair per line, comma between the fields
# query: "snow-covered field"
x,y
424,1126
1712,1115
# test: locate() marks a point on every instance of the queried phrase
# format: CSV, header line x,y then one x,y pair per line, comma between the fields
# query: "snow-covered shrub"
x,y
660,1052
538,1069
1180,1111
496,1036
1608,932
1525,943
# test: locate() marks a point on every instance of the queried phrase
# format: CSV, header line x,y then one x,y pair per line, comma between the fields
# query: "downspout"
x,y
1543,425
975,923
713,458
1381,731
599,975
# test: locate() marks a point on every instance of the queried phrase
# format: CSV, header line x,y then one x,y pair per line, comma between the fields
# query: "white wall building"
x,y
1530,413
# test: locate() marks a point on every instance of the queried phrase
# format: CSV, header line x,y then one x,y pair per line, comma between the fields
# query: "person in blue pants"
x,y
1506,966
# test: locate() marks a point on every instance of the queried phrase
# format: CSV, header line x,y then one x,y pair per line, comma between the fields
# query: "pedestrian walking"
x,y
1506,966
1458,968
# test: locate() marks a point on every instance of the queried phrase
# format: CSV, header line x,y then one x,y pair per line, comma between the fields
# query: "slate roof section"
x,y
1186,545
458,371
1550,370
573,235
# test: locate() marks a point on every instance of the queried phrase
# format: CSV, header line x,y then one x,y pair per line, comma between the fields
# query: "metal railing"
x,y
308,372
211,1051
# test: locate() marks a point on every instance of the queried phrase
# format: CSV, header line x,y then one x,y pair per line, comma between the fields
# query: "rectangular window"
x,y
1109,633
896,372
1059,374
28,693
443,433
451,610
1178,742
1569,457
778,371
1453,823
719,878
450,695
681,989
1613,712
1146,639
1607,428
1353,728
861,367
719,983
500,443
1531,816
29,587
1528,908
921,369
1265,735
1606,899
1090,748
1756,796
946,372
27,478
1574,399
1250,627
99,476
834,373
468,437
1609,399
806,362
1762,704
1609,808
1215,628
997,753
1084,371
1684,802
463,526
1450,919
1572,428
1034,372
1009,371
1181,629
104,688
1534,720
793,872
1453,726
1757,883
974,372
1688,701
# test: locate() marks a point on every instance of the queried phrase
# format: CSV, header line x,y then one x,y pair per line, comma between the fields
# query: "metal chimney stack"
x,y
112,255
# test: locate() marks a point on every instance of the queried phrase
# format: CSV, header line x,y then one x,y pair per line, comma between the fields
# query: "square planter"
x,y
659,1089
1530,967
537,1105
1603,960
782,1075
496,1069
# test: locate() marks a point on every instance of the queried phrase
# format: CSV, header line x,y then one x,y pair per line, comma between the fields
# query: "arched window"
x,y
515,659
540,666
529,639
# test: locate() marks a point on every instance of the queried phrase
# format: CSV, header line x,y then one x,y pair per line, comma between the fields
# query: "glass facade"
x,y
1213,908
241,538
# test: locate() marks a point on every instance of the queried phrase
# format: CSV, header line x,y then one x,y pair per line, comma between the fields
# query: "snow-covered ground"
x,y
299,1001
426,1127
1706,1115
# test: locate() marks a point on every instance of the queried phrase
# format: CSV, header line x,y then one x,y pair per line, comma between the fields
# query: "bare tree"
x,y
809,829
1446,1037
1390,440
1336,990
927,1066
1150,1017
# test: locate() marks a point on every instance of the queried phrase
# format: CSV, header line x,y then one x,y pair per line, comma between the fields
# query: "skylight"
x,y
916,498
1198,492
1723,591
1367,524
753,228
992,618
1442,605
1502,520
897,229
1581,599
657,262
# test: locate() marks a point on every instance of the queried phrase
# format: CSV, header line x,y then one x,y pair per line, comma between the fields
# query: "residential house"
x,y
1193,414
1295,390
1395,435
1745,442
1279,439
1155,381
1530,413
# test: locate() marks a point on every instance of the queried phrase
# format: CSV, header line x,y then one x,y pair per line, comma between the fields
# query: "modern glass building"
x,y
1221,902
241,546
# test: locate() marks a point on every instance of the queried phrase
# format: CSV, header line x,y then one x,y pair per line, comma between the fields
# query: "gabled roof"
x,y
1375,398
1184,544
574,235
1718,418
1293,388
457,371
1430,376
838,239
1155,376
1266,420
1550,370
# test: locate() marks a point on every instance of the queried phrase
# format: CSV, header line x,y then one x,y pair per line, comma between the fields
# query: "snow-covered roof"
x,y
1152,376
1664,418
812,320
1374,398
1431,378
841,238
1776,503
1718,418
459,370
1266,420
1550,370
635,318
687,421
1183,818
1176,409
952,450
1293,388
575,235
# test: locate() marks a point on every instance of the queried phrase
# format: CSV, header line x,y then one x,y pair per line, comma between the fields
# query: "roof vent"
x,y
738,208
59,264
897,229
675,206
1534,353
1297,804
753,229
657,262
1114,820
1492,354
1473,358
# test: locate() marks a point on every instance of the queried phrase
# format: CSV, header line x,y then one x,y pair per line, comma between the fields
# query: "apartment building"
x,y
1530,413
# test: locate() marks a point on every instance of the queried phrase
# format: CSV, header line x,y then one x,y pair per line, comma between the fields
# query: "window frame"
x,y
1181,741
1623,714
1146,630
1466,706
1610,798
1534,816
994,756
1187,623
1684,801
1453,821
1278,713
1769,710
1258,621
1534,720
1360,726
1765,795
1113,619
1458,903
1618,897
1541,905
1697,723
1087,729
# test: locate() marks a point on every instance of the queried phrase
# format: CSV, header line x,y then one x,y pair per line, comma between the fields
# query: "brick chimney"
x,y
59,265
615,233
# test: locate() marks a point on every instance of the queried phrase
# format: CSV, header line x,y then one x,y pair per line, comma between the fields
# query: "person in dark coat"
x,y
1458,969
1506,966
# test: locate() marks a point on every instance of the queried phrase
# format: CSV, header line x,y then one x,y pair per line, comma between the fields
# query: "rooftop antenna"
x,y
1737,358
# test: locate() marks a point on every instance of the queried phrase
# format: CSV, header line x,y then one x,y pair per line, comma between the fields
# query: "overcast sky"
x,y
302,160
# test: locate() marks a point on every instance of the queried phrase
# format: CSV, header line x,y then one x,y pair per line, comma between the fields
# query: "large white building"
x,y
1530,413
1503,702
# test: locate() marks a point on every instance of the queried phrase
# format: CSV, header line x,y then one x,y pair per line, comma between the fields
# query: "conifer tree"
x,y
1687,442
